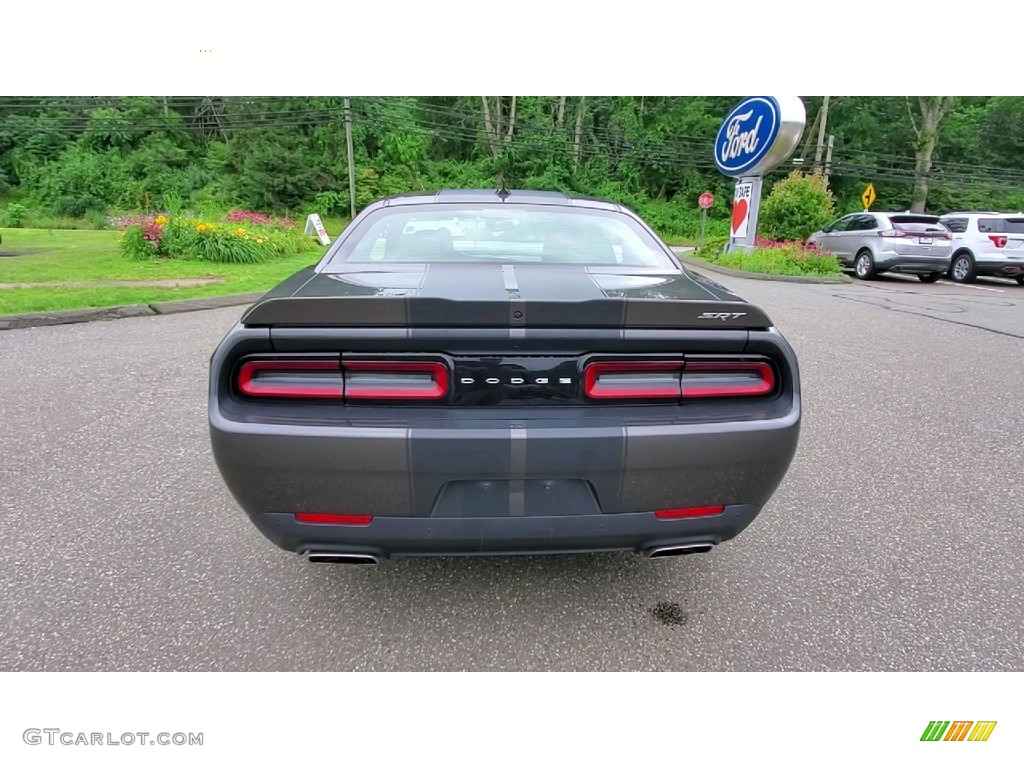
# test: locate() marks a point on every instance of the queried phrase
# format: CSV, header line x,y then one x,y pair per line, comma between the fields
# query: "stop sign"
x,y
706,200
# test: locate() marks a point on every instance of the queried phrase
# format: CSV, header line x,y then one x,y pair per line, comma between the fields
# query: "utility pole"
x,y
351,164
821,135
828,159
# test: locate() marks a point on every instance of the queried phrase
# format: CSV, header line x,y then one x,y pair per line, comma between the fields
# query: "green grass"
x,y
680,242
82,256
774,261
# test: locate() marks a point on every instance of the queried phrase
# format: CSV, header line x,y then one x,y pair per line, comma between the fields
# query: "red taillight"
x,y
394,380
322,518
291,378
675,514
999,241
891,233
674,380
350,380
727,379
635,380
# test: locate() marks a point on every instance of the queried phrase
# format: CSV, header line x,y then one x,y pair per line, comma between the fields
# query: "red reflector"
x,y
673,514
320,518
394,380
616,380
727,379
998,240
291,378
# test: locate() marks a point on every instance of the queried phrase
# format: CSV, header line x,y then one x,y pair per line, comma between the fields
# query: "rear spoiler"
x,y
426,312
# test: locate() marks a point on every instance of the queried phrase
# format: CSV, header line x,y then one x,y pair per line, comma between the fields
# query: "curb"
x,y
68,316
690,262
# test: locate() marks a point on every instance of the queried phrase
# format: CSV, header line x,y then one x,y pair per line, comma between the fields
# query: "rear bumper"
x,y
425,487
413,537
915,265
1000,268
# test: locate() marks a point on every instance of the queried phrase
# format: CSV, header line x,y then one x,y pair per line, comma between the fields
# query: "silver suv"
x,y
871,243
989,244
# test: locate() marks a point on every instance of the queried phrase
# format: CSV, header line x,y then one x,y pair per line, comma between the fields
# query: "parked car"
x,y
872,243
409,398
986,243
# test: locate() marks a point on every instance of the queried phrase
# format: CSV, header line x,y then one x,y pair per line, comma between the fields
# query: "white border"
x,y
517,719
117,47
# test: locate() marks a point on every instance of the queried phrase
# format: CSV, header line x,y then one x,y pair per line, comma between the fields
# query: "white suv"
x,y
989,244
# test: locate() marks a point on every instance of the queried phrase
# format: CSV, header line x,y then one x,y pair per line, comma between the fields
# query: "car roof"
x,y
904,213
890,213
977,213
527,196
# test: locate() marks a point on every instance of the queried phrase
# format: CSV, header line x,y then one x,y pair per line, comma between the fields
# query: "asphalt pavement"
x,y
895,542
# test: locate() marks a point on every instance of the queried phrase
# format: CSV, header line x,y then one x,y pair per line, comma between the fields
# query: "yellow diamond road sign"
x,y
869,196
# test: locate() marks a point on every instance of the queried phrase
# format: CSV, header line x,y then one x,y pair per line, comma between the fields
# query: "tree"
x,y
932,109
499,124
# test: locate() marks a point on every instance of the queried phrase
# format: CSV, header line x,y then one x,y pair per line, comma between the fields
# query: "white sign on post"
x,y
741,208
315,226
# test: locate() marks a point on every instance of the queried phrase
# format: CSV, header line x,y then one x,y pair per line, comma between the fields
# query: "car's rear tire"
x,y
1019,279
961,269
930,277
864,265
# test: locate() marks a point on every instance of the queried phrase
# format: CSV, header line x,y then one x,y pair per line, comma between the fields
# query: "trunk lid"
x,y
447,295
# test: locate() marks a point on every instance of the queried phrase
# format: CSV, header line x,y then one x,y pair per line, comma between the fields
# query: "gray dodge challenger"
x,y
473,372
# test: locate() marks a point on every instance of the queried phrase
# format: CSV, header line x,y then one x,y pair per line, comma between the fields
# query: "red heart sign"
x,y
739,214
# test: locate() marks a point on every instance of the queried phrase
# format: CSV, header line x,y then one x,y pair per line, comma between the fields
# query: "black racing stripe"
x,y
556,282
479,282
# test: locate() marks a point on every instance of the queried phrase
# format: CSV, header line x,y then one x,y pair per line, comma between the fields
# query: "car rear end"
x,y
999,246
502,409
916,244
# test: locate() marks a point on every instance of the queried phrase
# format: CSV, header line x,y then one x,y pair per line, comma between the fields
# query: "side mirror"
x,y
826,230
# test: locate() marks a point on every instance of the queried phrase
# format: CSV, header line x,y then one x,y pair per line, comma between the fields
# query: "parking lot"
x,y
895,542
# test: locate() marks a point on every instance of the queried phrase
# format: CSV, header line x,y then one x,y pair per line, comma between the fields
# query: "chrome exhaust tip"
x,y
679,549
342,558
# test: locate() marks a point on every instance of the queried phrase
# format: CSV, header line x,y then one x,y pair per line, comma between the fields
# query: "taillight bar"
x,y
395,380
999,241
635,380
671,380
344,380
291,378
727,379
905,233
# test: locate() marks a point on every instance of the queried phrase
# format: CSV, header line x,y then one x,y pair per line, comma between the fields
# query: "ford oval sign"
x,y
759,134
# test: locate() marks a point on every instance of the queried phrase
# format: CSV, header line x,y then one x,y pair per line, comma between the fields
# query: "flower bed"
x,y
240,237
774,257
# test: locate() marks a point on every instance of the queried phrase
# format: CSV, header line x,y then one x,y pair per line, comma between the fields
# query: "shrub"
x,y
713,246
15,215
797,206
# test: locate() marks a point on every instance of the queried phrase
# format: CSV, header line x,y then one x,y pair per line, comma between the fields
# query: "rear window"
x,y
913,218
543,234
920,227
1002,226
956,225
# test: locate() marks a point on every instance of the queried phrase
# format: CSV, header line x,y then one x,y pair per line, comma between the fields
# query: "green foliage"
x,y
65,157
796,207
14,215
275,168
714,245
331,203
82,180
